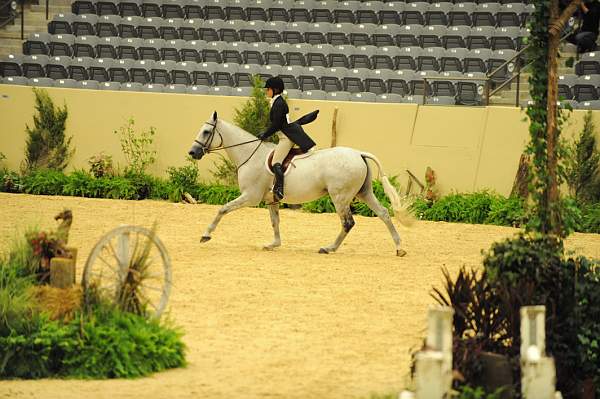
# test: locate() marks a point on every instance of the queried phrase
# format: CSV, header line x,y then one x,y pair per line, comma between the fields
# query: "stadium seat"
x,y
172,9
61,45
197,89
41,82
176,88
66,83
78,69
16,80
61,24
84,24
56,68
106,7
130,8
83,7
11,65
33,66
107,26
168,29
36,44
389,98
128,26
98,70
182,73
89,84
589,64
188,30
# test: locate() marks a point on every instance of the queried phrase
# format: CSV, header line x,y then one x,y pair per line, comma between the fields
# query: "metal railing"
x,y
7,13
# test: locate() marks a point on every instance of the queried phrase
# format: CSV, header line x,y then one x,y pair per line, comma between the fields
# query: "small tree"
x,y
583,163
254,118
254,115
47,145
137,147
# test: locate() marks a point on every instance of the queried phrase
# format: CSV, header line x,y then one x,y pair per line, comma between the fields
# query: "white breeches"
x,y
282,149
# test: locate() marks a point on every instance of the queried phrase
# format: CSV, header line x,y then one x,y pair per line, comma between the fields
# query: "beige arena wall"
x,y
470,148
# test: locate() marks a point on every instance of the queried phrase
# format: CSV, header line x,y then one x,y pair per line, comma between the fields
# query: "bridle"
x,y
205,148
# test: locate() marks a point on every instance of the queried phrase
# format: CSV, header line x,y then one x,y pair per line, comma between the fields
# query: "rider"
x,y
290,133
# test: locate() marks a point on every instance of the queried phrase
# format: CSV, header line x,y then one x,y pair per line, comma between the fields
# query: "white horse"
x,y
341,172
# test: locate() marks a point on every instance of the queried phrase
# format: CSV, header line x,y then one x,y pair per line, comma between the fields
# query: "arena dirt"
x,y
285,324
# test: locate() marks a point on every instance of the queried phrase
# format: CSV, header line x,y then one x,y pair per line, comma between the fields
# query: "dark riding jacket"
x,y
293,130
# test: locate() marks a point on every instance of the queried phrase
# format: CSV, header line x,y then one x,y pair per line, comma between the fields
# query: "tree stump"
x,y
62,270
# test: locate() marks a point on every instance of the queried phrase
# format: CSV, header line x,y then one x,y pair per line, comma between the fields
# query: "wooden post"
x,y
334,128
62,272
73,252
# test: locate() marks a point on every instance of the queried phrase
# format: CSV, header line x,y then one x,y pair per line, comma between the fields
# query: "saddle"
x,y
294,152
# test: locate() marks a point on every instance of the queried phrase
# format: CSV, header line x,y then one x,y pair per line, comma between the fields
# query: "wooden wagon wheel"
x,y
112,261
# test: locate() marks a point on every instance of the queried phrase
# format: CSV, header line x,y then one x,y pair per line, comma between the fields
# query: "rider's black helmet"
x,y
275,83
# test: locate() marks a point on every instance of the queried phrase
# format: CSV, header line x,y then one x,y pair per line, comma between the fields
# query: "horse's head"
x,y
204,141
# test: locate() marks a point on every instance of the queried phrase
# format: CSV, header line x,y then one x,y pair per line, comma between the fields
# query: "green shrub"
x,y
590,218
506,212
532,270
137,147
468,392
587,291
47,145
44,181
583,164
325,205
105,344
10,182
321,205
82,184
100,343
122,345
183,180
216,194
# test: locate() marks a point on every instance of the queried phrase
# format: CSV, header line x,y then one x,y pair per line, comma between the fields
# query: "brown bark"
x,y
521,184
558,23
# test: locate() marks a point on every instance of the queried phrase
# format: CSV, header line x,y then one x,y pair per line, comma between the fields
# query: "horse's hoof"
x,y
400,252
323,251
268,248
205,239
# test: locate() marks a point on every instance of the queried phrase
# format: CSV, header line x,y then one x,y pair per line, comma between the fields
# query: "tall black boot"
x,y
278,187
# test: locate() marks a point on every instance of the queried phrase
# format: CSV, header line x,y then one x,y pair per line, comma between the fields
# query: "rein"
x,y
207,150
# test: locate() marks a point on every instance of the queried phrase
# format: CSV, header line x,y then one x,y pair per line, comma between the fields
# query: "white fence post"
x,y
538,374
433,367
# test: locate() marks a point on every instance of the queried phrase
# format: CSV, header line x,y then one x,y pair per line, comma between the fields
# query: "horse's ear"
x,y
215,116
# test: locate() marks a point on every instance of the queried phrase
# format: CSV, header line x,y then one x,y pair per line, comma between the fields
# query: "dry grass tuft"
x,y
59,303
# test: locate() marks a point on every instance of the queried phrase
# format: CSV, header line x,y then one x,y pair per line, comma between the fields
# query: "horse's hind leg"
x,y
237,203
366,195
274,212
345,214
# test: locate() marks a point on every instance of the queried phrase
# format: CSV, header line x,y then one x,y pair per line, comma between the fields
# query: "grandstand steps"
x,y
10,46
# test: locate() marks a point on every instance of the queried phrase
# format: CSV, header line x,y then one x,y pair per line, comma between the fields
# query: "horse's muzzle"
x,y
196,153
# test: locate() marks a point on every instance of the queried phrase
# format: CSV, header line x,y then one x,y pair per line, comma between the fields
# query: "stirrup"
x,y
276,196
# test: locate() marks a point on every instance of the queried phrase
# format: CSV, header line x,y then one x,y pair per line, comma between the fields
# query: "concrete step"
x,y
53,9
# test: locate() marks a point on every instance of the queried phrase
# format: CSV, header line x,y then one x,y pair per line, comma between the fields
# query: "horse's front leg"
x,y
274,212
240,202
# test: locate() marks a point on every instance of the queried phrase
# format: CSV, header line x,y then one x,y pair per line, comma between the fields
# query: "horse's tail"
x,y
400,208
